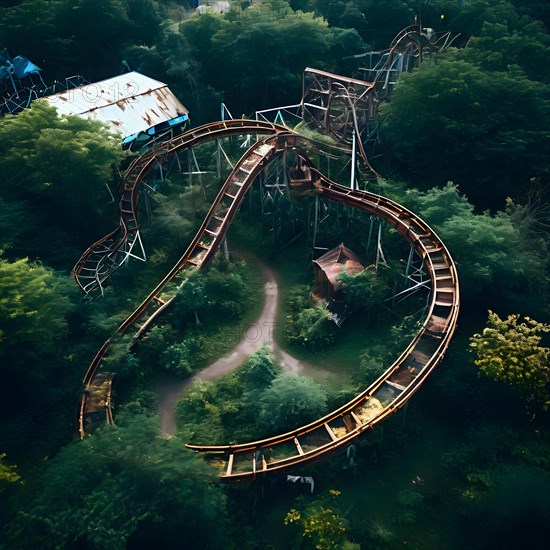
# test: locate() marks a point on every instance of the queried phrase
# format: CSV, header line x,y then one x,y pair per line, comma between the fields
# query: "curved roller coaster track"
x,y
340,428
99,261
346,108
386,395
341,106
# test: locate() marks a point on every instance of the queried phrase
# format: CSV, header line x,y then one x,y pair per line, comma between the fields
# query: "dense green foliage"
x,y
305,324
120,488
479,115
34,304
499,255
256,400
63,36
510,351
364,290
36,309
55,171
322,522
290,401
8,473
237,45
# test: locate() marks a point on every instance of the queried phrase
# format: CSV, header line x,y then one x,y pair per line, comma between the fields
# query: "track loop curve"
x,y
384,396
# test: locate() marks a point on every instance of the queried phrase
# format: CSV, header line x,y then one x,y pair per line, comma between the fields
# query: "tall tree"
x,y
232,50
63,37
34,304
509,350
485,130
57,170
291,401
124,487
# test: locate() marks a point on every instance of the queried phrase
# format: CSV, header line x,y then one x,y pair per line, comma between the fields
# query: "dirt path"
x,y
259,333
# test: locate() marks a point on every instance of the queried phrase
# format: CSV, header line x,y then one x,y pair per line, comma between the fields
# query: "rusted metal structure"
x,y
328,269
21,83
399,382
384,396
103,257
387,394
131,104
342,107
98,262
347,108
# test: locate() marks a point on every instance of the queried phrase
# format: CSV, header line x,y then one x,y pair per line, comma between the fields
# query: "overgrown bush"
x,y
178,358
306,325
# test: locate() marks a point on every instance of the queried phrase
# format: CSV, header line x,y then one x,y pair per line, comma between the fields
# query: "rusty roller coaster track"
x,y
102,258
400,381
382,398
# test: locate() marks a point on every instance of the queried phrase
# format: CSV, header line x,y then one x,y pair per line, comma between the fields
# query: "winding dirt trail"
x,y
258,334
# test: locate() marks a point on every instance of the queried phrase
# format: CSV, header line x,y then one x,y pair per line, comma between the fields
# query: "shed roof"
x,y
129,103
337,261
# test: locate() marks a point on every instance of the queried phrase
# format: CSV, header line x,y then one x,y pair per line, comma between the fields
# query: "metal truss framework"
x,y
21,99
99,261
347,108
344,108
385,396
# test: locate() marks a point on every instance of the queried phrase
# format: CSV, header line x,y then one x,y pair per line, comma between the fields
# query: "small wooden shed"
x,y
328,268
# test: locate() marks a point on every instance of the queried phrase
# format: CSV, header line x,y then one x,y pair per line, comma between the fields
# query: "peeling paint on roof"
x,y
129,103
337,261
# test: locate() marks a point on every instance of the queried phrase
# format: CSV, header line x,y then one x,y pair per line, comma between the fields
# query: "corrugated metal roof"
x,y
128,103
337,261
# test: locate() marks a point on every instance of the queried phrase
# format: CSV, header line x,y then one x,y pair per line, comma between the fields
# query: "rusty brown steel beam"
x,y
424,239
108,252
407,224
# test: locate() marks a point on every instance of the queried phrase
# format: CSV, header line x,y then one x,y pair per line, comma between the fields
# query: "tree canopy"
x,y
232,50
119,488
55,171
459,121
63,37
291,401
497,254
34,304
509,350
478,115
365,289
8,473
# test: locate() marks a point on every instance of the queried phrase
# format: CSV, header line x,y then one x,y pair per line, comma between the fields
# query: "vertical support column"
x,y
225,250
285,174
110,193
229,470
197,168
189,167
379,252
219,158
147,202
353,159
261,189
315,224
409,263
370,234
160,171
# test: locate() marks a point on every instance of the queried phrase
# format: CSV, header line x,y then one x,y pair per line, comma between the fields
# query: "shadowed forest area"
x,y
463,141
